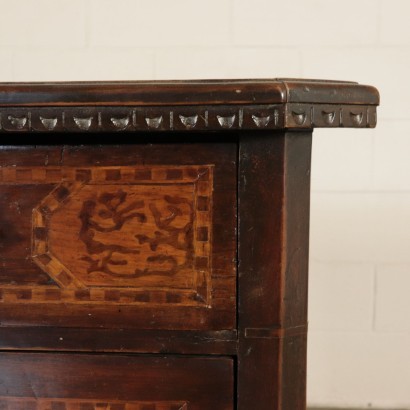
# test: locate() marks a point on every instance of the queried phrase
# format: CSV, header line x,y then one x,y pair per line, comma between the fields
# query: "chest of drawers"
x,y
154,241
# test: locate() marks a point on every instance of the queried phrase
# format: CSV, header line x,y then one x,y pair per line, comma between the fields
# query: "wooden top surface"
x,y
206,105
194,92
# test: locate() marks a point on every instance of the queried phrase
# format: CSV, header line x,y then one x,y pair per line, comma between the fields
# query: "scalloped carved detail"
x,y
83,123
49,123
18,122
357,117
261,122
226,122
329,117
142,119
189,121
154,122
299,117
120,123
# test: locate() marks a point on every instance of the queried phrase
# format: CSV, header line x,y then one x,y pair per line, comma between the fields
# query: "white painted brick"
x,y
159,23
341,227
301,22
360,227
342,162
341,296
42,23
384,68
392,298
6,65
395,27
227,63
84,65
391,155
359,370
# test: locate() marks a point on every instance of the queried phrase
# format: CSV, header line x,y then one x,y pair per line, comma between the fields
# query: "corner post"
x,y
274,197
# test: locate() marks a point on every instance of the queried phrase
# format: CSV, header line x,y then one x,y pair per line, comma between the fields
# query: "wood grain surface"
x,y
117,382
154,241
273,270
194,92
137,236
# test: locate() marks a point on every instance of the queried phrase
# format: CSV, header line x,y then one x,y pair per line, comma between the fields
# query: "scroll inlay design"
x,y
163,222
120,234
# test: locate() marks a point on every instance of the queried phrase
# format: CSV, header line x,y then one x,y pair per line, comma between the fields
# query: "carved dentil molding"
x,y
186,118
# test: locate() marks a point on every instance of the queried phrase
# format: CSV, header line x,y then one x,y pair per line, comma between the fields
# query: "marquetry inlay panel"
x,y
124,235
22,403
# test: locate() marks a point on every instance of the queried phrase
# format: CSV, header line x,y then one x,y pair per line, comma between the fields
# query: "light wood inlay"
x,y
120,234
23,403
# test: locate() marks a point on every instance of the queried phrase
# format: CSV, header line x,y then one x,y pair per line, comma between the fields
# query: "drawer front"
x,y
136,236
85,382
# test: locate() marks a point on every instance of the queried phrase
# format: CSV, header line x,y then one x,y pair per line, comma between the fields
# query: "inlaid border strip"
x,y
138,174
70,289
28,403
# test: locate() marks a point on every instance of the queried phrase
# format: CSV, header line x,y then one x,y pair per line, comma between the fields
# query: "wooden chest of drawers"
x,y
154,241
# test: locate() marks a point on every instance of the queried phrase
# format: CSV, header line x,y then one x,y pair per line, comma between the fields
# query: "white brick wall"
x,y
158,23
367,369
360,230
342,297
43,23
227,62
392,312
49,64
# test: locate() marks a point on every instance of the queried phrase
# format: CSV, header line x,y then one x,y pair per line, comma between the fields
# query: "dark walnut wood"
x,y
95,382
185,106
275,174
119,236
165,220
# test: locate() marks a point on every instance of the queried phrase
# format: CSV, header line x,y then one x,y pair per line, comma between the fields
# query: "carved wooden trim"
x,y
330,116
186,118
71,182
28,403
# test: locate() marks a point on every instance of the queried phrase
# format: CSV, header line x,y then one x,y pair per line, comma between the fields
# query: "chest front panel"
x,y
137,235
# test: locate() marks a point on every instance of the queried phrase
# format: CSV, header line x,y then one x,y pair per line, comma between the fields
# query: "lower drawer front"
x,y
117,382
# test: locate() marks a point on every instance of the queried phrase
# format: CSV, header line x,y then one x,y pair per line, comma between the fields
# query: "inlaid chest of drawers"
x,y
154,241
